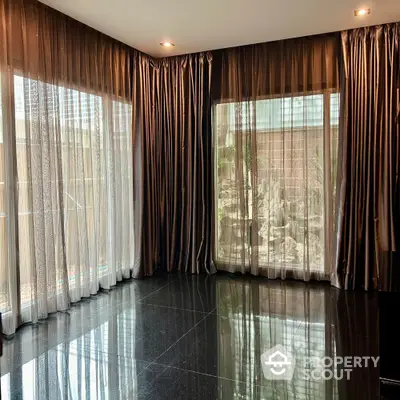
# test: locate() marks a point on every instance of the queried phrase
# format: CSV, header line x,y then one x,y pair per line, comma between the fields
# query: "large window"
x,y
272,160
72,154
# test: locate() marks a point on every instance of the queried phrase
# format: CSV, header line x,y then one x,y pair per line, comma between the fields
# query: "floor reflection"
x,y
254,318
60,374
311,322
203,341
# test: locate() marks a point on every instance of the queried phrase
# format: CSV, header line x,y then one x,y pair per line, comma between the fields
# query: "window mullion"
x,y
11,195
109,158
328,201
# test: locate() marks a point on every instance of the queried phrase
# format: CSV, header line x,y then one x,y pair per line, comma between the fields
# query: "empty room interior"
x,y
199,200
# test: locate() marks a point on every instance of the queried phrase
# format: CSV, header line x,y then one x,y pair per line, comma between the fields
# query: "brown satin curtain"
x,y
66,182
53,47
369,150
275,128
174,177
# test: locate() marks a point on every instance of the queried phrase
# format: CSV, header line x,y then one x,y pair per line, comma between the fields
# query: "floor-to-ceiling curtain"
x,y
172,129
66,200
369,150
275,128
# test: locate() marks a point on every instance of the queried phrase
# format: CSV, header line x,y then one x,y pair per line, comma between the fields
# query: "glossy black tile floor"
x,y
194,337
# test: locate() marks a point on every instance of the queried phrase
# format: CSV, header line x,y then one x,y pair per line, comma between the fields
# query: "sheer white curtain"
x,y
66,179
274,202
75,193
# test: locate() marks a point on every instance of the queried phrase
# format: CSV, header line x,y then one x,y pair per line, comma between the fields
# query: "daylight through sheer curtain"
x,y
65,162
275,127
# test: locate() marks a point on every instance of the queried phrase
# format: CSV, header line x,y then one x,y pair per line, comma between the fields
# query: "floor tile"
x,y
142,332
138,289
232,347
192,337
68,375
188,292
259,296
32,340
160,382
229,344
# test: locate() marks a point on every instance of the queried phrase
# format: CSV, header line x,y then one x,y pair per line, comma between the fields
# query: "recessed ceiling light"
x,y
167,44
362,12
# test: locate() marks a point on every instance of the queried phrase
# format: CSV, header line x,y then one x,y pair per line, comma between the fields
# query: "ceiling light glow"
x,y
167,44
362,12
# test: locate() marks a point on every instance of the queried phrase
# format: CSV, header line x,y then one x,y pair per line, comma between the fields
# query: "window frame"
x,y
326,111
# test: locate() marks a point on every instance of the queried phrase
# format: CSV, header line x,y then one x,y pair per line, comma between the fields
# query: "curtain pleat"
x,y
173,132
369,191
66,162
275,128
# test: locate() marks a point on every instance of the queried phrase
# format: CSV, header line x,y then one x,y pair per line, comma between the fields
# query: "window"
x,y
271,181
73,151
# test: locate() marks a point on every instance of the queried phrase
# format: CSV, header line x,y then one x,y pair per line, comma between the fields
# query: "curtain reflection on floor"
x,y
92,351
87,365
65,373
257,317
310,321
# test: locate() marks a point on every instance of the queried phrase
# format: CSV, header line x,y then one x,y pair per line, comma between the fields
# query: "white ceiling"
x,y
197,25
